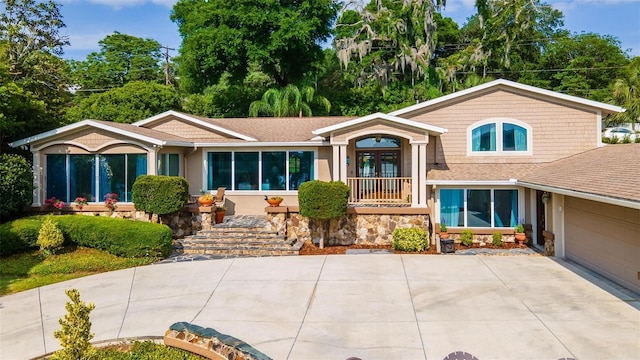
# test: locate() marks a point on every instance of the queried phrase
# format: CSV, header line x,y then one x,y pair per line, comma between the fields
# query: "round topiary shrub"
x,y
160,194
466,237
410,239
16,185
50,237
322,201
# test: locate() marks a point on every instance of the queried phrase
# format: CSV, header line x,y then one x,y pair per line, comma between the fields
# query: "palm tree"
x,y
288,102
626,93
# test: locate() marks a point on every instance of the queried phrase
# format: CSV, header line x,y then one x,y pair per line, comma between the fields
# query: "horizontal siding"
x,y
558,130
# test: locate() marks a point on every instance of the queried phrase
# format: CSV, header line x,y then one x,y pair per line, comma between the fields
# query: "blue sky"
x,y
89,21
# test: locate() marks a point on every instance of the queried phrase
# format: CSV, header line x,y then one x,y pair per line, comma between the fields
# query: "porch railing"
x,y
376,190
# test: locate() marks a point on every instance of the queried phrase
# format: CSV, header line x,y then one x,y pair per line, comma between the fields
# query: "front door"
x,y
378,163
540,218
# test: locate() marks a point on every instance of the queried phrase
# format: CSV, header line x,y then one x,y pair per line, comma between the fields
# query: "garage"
x,y
604,238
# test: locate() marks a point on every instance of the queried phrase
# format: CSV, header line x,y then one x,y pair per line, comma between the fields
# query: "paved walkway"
x,y
371,306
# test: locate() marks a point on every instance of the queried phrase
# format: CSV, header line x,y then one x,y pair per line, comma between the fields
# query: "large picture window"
x,y
499,136
479,207
262,170
93,176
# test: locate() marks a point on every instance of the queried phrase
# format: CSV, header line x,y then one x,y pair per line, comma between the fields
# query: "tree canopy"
x,y
220,36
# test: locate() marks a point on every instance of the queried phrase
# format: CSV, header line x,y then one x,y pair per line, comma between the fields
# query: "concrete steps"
x,y
234,238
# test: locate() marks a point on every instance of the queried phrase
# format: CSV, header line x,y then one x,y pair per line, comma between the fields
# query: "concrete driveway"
x,y
335,307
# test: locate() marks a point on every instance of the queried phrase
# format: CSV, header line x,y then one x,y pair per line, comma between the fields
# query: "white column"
x,y
343,163
414,175
422,178
37,179
336,165
152,165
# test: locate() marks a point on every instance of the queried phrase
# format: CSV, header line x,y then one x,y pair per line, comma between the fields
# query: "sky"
x,y
89,21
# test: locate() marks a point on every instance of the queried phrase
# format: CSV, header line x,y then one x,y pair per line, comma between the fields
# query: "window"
x,y
499,136
93,176
263,171
479,207
169,164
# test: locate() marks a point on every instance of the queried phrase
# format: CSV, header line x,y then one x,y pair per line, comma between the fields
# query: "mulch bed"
x,y
310,249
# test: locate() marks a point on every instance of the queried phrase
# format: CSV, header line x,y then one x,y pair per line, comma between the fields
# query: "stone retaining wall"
x,y
350,229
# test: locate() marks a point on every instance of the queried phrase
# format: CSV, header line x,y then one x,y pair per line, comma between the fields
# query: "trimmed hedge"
x,y
160,194
119,237
323,200
410,239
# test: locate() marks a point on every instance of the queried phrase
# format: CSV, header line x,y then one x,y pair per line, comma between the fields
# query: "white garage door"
x,y
604,238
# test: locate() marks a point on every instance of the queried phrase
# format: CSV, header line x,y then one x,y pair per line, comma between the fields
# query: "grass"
x,y
30,270
147,350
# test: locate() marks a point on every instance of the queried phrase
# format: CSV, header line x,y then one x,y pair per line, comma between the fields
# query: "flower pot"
x,y
444,235
520,238
274,202
219,216
205,202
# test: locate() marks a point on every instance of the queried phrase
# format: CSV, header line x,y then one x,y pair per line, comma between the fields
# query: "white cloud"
x,y
86,41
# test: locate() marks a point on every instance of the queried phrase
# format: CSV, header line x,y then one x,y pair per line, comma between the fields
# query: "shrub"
x,y
410,239
119,237
50,238
497,238
16,185
75,333
160,194
323,201
466,237
519,228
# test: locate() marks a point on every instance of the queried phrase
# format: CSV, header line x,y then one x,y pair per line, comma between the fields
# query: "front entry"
x,y
378,163
378,170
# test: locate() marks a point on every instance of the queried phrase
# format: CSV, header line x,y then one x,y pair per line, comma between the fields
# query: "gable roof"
x,y
196,120
376,116
609,172
608,108
147,135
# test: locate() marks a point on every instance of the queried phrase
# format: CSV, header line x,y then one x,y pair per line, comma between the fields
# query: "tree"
x,y
626,93
289,101
323,201
122,59
132,102
16,185
221,36
33,79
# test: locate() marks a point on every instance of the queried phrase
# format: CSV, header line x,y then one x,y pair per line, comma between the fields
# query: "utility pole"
x,y
166,64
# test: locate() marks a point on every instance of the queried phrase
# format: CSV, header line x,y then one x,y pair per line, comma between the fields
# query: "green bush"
x,y
75,332
410,239
50,238
16,185
466,237
119,237
160,194
323,200
497,238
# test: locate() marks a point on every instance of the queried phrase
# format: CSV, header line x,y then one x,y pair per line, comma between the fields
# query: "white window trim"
x,y
521,205
233,191
499,121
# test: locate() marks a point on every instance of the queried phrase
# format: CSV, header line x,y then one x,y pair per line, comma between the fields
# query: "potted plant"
x,y
443,231
219,214
273,200
520,235
205,199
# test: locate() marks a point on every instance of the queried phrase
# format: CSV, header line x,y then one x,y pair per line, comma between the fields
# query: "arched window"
x,y
500,136
377,141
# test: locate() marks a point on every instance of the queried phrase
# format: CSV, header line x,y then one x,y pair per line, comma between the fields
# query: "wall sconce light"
x,y
348,161
378,138
546,197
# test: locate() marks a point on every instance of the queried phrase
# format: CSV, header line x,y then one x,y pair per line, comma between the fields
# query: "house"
x,y
460,159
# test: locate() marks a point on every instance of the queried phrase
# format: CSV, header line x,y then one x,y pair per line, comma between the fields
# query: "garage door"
x,y
604,238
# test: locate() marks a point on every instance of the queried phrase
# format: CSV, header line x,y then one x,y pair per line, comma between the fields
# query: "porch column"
x,y
336,165
152,156
422,175
414,175
343,163
37,179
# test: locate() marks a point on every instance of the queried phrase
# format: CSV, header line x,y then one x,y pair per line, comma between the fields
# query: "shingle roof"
x,y
273,129
479,172
612,171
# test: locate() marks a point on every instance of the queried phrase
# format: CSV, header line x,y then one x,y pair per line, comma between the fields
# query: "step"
x,y
216,235
236,243
246,250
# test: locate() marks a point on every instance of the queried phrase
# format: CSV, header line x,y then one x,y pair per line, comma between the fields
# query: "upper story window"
x,y
499,136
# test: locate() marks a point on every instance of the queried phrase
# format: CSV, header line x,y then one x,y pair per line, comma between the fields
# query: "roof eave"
x,y
583,195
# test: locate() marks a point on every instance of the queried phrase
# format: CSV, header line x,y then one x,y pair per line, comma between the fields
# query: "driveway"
x,y
334,307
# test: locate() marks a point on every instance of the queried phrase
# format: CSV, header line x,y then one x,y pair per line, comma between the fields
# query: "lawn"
x,y
30,270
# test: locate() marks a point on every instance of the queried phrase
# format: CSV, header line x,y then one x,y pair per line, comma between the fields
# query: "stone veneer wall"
x,y
350,229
